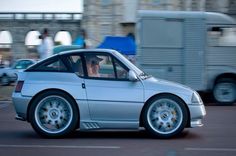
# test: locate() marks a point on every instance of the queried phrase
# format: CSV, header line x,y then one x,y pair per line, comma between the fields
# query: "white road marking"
x,y
212,149
58,146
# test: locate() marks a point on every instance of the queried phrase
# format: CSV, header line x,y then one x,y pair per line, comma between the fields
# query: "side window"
x,y
121,70
77,65
221,36
104,66
53,65
99,66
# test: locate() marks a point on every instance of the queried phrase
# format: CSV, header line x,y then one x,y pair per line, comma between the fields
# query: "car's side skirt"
x,y
91,124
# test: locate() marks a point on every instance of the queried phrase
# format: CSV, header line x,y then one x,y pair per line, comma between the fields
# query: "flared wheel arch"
x,y
51,90
161,94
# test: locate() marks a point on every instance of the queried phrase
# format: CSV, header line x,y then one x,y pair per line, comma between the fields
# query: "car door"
x,y
111,96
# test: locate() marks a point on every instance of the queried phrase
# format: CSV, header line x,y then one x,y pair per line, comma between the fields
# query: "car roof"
x,y
71,52
86,50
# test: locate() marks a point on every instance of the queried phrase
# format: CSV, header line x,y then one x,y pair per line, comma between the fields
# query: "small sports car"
x,y
89,89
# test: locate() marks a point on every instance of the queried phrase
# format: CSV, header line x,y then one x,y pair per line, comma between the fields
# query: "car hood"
x,y
155,86
4,69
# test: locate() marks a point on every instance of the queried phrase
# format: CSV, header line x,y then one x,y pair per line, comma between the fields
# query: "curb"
x,y
5,101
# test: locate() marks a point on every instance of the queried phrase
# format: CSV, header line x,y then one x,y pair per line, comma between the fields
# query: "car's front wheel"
x,y
53,114
165,116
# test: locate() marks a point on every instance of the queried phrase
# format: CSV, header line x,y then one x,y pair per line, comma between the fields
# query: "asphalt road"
x,y
216,138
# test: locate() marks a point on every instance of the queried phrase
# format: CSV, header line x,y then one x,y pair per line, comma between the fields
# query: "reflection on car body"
x,y
57,96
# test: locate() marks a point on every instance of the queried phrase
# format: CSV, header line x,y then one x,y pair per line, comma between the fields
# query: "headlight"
x,y
196,99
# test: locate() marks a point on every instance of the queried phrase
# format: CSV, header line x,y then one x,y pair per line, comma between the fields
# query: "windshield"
x,y
138,71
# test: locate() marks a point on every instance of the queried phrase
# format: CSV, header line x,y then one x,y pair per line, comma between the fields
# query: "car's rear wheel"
x,y
165,116
53,114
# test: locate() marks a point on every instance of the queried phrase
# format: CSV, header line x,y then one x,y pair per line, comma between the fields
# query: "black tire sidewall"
x,y
184,113
224,80
68,130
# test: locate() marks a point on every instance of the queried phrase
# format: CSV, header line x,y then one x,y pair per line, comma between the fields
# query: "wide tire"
x,y
165,116
53,114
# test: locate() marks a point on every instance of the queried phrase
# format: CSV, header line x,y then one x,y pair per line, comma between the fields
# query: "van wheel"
x,y
165,116
53,114
224,91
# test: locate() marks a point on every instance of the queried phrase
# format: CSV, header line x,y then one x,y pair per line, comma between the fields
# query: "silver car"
x,y
100,89
9,75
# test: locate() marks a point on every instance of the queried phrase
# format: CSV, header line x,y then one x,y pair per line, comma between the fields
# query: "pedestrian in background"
x,y
45,49
83,40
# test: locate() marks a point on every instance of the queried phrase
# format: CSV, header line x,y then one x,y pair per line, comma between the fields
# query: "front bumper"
x,y
197,112
21,105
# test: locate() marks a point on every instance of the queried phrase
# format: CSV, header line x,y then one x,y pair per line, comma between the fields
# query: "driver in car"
x,y
93,66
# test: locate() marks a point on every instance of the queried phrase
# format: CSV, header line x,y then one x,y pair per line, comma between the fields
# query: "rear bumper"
x,y
21,105
197,113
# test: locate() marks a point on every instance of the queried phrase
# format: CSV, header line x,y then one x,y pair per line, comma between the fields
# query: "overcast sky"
x,y
41,5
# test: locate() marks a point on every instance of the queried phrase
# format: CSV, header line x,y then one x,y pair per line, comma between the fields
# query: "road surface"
x,y
216,138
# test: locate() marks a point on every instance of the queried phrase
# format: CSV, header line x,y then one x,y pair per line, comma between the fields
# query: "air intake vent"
x,y
91,125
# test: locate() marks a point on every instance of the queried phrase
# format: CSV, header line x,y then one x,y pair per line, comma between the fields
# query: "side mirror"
x,y
132,76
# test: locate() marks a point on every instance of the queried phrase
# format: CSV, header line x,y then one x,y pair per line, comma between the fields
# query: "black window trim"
x,y
64,58
50,60
68,63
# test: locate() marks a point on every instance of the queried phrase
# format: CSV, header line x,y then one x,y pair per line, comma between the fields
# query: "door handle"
x,y
83,85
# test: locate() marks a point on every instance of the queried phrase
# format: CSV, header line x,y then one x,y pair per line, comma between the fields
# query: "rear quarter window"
x,y
54,65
